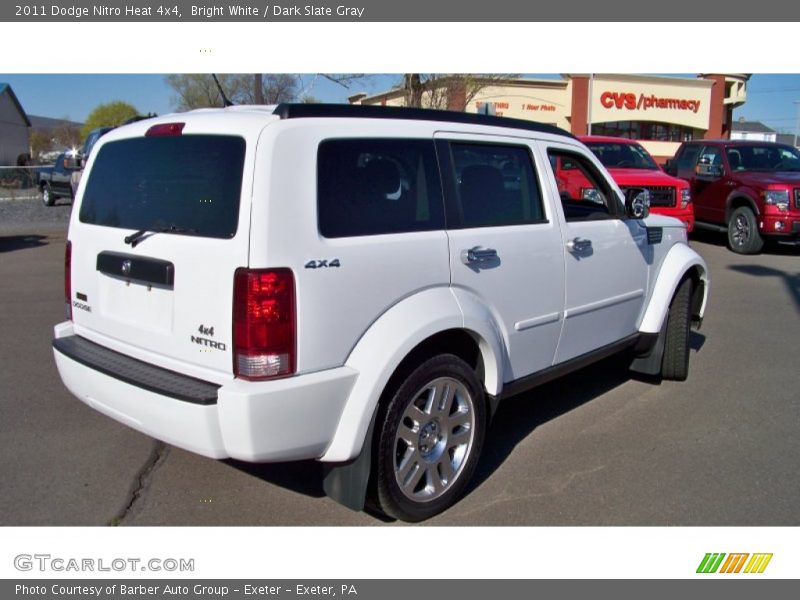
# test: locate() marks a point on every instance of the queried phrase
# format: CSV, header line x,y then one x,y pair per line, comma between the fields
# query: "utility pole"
x,y
591,94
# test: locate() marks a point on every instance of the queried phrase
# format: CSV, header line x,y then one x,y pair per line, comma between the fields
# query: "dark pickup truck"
x,y
91,140
54,182
748,189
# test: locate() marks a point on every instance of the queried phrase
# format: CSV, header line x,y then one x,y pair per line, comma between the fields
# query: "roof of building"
x,y
50,123
397,92
5,88
751,127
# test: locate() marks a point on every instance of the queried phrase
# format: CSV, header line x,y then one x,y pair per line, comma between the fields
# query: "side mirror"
x,y
72,162
671,167
637,203
705,170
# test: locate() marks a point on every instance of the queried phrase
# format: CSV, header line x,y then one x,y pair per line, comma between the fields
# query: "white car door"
x,y
606,255
505,243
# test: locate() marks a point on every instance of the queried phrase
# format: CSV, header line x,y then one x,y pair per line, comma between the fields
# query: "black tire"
x,y
675,363
47,195
743,234
441,409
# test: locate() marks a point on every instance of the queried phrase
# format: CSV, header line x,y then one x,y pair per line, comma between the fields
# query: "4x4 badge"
x,y
208,343
321,264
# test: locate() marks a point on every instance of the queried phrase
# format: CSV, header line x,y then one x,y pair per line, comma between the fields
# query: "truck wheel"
x,y
743,235
430,439
675,363
47,195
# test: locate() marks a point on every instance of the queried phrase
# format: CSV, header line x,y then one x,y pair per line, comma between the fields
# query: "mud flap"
x,y
347,482
649,363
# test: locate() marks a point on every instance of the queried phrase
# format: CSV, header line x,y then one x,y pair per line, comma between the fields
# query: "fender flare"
x,y
679,260
740,194
383,347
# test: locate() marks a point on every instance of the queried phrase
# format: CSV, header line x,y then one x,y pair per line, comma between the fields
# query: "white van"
x,y
357,285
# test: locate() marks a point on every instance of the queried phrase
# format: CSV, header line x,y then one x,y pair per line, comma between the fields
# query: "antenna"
x,y
225,100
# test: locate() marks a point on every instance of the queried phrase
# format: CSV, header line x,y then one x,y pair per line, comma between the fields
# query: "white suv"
x,y
356,285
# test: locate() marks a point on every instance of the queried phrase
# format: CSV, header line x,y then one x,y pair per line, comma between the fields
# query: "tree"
x,y
200,91
275,88
452,91
57,138
66,136
40,141
196,91
108,115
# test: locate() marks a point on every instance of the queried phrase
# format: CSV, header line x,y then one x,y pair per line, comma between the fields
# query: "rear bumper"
x,y
287,419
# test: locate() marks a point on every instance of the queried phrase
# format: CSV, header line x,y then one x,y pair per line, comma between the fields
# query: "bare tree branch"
x,y
343,79
453,91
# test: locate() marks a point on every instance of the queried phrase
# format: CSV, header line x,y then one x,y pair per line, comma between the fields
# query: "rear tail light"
x,y
264,323
68,278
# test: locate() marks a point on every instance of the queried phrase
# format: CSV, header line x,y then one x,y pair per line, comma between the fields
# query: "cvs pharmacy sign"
x,y
630,101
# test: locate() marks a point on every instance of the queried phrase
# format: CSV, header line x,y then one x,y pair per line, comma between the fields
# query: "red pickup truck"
x,y
749,189
632,167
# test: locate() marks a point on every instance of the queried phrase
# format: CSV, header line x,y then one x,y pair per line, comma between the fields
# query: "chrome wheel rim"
x,y
434,439
741,231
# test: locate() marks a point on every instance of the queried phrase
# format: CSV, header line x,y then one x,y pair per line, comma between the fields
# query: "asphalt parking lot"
x,y
596,448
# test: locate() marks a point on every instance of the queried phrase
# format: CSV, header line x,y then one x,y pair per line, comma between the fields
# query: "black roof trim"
x,y
359,111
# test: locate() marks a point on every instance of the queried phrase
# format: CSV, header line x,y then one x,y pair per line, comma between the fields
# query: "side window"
x,y
711,156
495,185
788,160
377,186
584,192
688,158
735,159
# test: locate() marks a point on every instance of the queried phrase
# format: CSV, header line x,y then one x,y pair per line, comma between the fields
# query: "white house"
x,y
752,130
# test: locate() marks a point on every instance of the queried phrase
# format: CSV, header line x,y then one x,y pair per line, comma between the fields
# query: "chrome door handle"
x,y
579,245
478,254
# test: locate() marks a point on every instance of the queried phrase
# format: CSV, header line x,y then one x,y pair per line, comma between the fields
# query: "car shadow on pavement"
x,y
705,236
518,417
696,341
720,240
10,243
790,281
302,476
515,420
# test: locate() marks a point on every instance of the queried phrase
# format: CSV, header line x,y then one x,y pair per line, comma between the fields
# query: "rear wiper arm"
x,y
134,238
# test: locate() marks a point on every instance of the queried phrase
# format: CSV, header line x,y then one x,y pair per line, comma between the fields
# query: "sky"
x,y
73,97
770,97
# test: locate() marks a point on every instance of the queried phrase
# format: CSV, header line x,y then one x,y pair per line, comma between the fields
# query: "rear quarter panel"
x,y
335,305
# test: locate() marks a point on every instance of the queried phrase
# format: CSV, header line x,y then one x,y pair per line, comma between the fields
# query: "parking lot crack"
x,y
141,482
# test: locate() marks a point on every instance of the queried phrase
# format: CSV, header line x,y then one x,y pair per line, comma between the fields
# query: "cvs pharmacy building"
x,y
660,112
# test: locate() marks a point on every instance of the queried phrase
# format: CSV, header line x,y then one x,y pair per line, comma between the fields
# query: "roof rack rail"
x,y
355,111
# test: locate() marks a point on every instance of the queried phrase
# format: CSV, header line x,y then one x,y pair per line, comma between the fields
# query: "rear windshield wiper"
x,y
134,238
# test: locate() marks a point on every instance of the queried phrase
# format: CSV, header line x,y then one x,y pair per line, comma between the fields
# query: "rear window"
x,y
188,183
